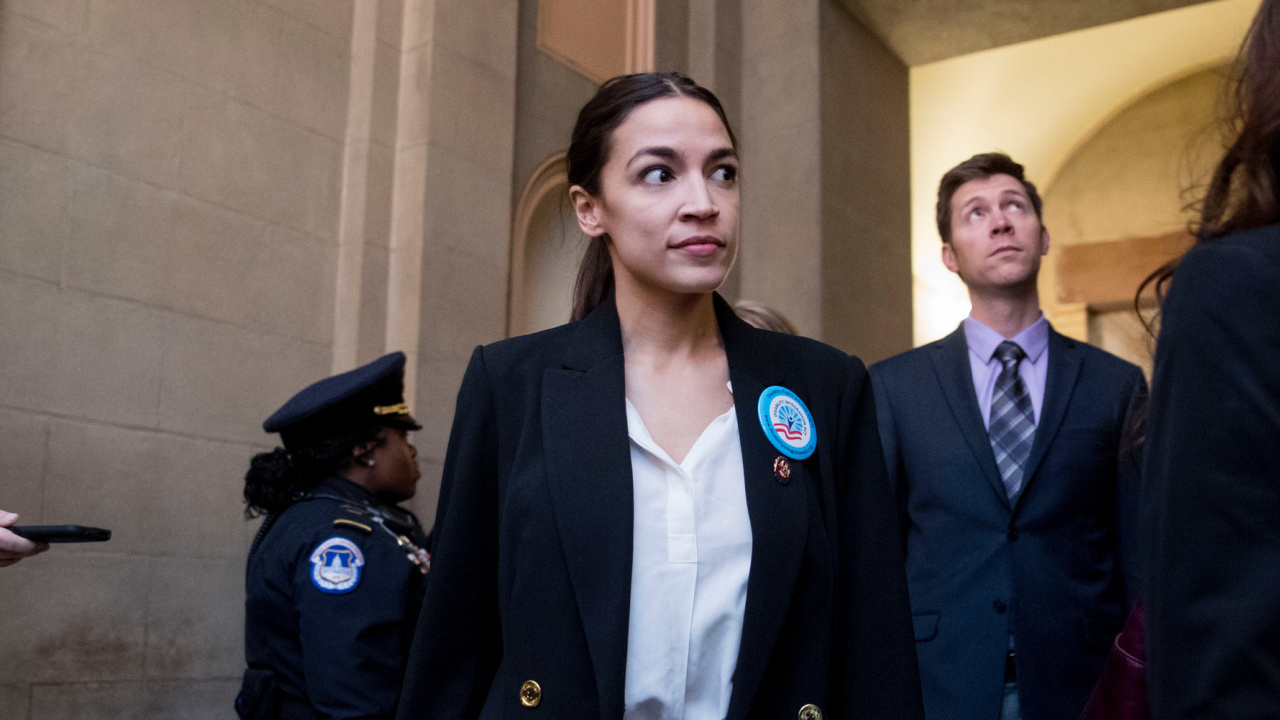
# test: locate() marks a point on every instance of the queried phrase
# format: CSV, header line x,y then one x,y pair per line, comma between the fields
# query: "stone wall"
x,y
1138,175
170,173
866,191
207,204
826,208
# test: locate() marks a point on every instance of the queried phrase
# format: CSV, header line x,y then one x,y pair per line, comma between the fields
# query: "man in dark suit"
x,y
1016,491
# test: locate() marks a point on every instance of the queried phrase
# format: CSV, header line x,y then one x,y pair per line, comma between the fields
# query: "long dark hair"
x,y
1243,192
277,479
589,151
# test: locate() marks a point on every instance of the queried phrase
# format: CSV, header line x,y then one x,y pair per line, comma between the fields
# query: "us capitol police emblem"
x,y
336,565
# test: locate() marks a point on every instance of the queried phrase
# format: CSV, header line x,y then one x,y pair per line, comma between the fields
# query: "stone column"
x,y
452,294
826,214
355,185
781,255
866,191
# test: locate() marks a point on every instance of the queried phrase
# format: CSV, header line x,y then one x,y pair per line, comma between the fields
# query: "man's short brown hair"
x,y
980,167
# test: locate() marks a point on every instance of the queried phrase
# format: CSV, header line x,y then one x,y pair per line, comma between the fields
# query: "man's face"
x,y
996,238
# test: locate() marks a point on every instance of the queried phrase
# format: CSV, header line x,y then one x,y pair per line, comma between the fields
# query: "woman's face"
x,y
668,198
394,473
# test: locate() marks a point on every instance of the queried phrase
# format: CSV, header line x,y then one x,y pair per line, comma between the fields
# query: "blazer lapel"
x,y
951,362
588,469
779,513
1064,370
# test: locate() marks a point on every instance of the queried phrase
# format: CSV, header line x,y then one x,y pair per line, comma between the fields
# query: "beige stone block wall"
x,y
781,256
470,137
1133,177
206,204
151,700
33,203
866,193
371,336
170,176
825,218
548,96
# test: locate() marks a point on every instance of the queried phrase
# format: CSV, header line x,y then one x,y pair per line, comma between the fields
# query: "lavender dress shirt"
x,y
1034,368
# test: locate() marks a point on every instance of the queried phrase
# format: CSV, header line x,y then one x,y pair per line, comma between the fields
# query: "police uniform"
x,y
335,581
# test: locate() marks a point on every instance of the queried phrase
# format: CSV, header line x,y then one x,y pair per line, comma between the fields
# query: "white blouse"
x,y
689,566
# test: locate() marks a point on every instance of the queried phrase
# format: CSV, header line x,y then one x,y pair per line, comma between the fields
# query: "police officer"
x,y
337,572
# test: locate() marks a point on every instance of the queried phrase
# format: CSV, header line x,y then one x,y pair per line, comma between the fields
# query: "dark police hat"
x,y
370,395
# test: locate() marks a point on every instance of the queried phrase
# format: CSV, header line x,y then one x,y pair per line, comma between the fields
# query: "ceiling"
x,y
922,31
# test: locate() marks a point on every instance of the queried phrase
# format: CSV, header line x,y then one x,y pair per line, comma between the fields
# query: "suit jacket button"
x,y
810,712
1013,533
530,694
999,607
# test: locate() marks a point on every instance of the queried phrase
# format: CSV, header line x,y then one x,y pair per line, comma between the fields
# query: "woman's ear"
x,y
588,210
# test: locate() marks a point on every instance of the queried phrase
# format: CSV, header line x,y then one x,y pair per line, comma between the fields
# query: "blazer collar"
x,y
950,358
598,337
951,362
588,459
779,513
588,469
1065,356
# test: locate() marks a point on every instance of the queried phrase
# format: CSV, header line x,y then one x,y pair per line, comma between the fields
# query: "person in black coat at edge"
x,y
337,572
657,510
1212,475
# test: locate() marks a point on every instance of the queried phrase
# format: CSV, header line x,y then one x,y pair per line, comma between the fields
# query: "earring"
x,y
369,463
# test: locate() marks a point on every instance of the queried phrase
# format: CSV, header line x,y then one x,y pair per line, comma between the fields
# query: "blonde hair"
x,y
764,317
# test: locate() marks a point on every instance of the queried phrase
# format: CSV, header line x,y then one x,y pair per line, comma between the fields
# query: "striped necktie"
x,y
1013,426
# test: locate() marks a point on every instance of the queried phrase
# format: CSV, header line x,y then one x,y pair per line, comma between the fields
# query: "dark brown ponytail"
x,y
595,278
589,151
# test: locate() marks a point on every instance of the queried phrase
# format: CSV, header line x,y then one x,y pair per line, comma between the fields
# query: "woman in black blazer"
x,y
1213,443
532,604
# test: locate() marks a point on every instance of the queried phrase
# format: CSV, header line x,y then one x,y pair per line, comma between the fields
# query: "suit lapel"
x,y
588,469
951,362
778,513
1064,370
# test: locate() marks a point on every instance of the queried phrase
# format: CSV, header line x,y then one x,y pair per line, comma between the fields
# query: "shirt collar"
x,y
983,340
344,488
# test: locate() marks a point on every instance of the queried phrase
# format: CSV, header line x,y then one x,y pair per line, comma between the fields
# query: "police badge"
x,y
335,566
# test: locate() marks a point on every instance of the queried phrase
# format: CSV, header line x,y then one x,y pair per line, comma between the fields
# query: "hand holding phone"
x,y
61,533
14,547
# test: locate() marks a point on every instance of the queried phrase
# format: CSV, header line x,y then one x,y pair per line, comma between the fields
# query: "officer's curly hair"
x,y
277,479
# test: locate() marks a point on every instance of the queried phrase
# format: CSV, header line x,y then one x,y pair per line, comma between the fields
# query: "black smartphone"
x,y
61,533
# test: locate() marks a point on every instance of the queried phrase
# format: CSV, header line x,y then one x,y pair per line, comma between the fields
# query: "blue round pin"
x,y
787,422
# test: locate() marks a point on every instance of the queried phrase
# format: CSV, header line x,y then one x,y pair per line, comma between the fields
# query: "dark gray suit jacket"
x,y
1057,569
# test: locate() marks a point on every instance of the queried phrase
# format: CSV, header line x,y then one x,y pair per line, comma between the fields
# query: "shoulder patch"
x,y
336,565
343,522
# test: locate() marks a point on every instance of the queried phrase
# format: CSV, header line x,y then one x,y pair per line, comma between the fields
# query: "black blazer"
x,y
1213,474
1056,568
531,575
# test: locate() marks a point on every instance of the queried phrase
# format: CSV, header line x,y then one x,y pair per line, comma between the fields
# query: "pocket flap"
x,y
925,626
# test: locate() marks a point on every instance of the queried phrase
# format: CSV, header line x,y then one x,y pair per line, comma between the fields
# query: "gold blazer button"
x,y
810,712
531,694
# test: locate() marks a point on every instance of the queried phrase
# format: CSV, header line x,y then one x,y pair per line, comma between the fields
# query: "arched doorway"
x,y
1119,208
546,247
